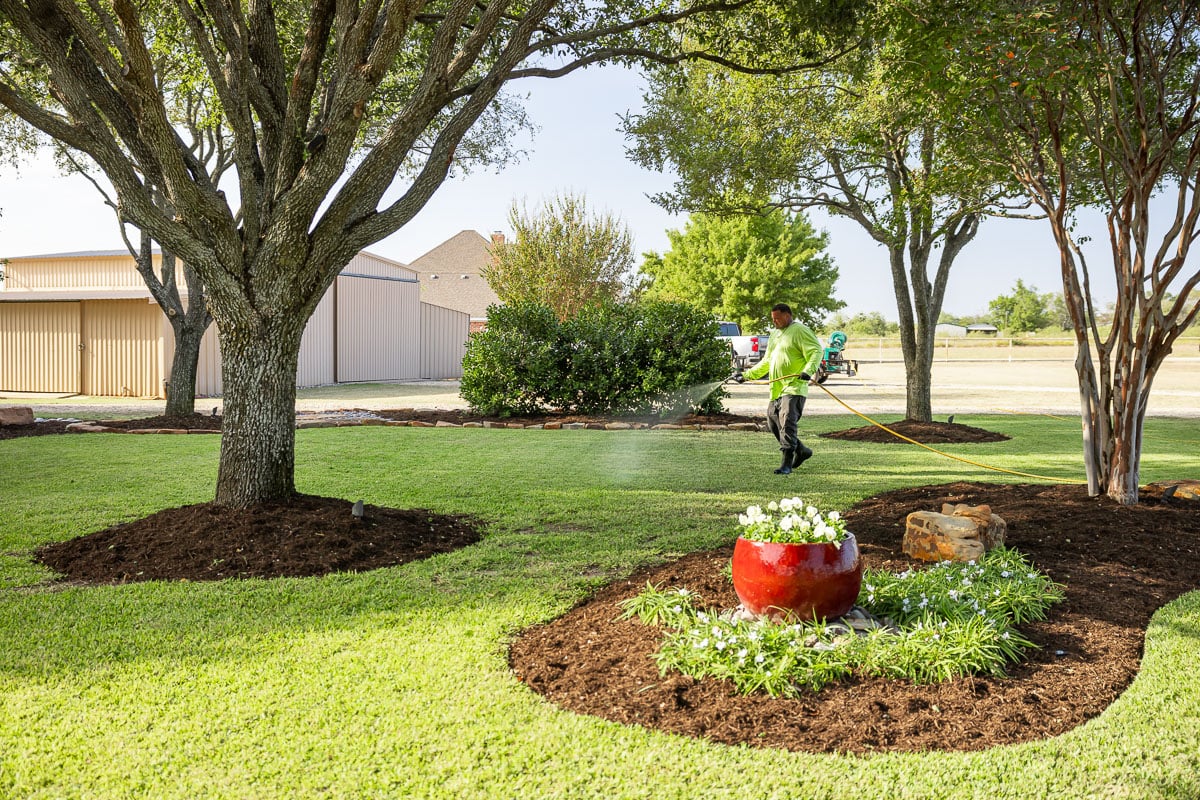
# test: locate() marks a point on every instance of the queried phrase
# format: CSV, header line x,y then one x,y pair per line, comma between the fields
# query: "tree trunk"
x,y
919,384
181,386
258,441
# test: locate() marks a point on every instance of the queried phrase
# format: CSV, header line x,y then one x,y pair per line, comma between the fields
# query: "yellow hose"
x,y
927,447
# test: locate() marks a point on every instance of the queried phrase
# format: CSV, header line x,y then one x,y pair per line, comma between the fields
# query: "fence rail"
x,y
957,348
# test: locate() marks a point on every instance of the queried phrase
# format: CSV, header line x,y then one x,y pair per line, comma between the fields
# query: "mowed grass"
x,y
394,683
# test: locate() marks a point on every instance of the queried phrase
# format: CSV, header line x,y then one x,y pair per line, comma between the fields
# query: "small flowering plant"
x,y
792,521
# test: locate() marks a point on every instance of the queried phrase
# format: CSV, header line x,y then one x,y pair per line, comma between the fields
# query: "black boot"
x,y
786,467
801,454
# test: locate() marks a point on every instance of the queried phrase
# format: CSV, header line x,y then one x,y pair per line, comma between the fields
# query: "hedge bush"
x,y
646,357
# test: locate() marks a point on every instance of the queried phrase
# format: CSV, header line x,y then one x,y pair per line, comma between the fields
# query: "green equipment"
x,y
833,361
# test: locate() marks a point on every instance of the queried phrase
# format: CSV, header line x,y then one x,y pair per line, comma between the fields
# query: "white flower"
x,y
677,609
786,523
772,506
716,631
758,659
720,645
743,653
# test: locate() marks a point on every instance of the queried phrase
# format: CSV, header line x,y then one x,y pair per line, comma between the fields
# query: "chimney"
x,y
497,237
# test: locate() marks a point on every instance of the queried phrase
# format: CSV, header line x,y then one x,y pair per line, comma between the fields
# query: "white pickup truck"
x,y
743,350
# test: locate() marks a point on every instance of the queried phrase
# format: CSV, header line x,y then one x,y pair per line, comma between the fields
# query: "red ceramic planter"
x,y
813,581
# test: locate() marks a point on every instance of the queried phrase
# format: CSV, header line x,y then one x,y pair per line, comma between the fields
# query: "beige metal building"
x,y
84,323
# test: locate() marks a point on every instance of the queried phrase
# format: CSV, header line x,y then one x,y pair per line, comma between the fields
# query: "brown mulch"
x,y
46,428
923,432
306,536
1118,565
184,422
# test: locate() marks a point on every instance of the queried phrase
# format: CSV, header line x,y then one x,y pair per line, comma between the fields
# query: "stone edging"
x,y
97,427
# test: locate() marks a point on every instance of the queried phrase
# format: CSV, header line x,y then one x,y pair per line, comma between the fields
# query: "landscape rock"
x,y
1177,490
16,415
617,426
960,532
992,529
553,426
441,423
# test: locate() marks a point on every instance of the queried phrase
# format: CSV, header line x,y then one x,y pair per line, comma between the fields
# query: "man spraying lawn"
x,y
793,355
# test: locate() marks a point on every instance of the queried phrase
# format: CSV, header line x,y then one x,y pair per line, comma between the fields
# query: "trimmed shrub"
x,y
652,357
511,365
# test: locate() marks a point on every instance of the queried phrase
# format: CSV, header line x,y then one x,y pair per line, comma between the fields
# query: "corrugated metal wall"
x,y
208,367
377,325
368,264
316,362
443,341
39,347
378,329
122,348
100,272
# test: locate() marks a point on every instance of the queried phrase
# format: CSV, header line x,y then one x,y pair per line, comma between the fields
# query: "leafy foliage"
x,y
954,620
563,257
738,266
870,323
858,137
646,357
1022,311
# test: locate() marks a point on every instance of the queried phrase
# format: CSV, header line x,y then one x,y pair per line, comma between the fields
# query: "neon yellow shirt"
x,y
790,351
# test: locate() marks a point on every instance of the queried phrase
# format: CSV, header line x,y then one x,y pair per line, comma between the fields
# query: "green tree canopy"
x,y
855,137
869,323
563,257
738,266
1022,311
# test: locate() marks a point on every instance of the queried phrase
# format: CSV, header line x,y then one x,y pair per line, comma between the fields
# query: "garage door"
x,y
39,347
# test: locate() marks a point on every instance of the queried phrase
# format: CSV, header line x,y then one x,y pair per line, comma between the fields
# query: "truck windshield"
x,y
730,329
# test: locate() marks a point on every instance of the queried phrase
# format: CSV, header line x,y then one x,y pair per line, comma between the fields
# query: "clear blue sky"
x,y
578,148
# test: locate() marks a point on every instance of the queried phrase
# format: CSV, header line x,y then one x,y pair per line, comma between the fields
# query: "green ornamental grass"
x,y
954,620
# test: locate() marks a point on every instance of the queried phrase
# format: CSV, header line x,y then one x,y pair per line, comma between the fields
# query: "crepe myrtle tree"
x,y
325,104
1093,104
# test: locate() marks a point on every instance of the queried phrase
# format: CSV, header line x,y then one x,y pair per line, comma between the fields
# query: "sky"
x,y
577,148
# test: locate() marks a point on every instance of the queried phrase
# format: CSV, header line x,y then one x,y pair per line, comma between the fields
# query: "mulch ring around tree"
x,y
923,432
1117,564
306,536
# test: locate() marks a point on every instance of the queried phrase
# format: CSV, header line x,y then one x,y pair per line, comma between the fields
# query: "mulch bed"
x,y
1118,565
923,432
306,536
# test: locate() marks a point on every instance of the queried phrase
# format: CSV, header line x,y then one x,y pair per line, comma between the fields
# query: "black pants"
x,y
782,415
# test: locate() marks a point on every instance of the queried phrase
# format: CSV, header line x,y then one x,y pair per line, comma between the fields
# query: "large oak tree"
x,y
325,104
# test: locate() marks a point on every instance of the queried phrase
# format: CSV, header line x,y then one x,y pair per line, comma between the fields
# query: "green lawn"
x,y
394,683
